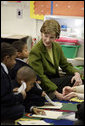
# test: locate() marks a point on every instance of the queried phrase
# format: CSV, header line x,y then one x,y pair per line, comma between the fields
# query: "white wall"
x,y
11,24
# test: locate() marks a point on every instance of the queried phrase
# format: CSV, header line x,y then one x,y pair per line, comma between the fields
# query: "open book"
x,y
34,122
50,106
49,114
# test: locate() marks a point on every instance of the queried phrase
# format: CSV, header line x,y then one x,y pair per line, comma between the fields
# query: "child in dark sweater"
x,y
11,105
28,76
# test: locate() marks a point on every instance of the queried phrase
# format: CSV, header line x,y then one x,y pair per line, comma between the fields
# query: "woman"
x,y
46,57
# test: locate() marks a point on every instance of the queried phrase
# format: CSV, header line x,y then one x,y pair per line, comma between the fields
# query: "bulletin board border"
x,y
32,14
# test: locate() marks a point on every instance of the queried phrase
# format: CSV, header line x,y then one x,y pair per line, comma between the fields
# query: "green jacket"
x,y
40,61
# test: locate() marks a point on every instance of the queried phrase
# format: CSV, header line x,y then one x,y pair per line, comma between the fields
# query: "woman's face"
x,y
48,39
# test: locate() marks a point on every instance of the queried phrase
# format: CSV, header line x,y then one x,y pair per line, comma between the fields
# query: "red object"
x,y
19,1
68,40
34,39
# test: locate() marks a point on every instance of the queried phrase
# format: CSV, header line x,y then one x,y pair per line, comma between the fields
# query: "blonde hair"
x,y
51,27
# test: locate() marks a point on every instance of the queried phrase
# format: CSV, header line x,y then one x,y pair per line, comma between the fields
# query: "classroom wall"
x,y
12,24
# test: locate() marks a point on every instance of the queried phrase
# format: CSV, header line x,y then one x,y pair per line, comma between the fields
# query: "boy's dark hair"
x,y
19,45
26,73
7,50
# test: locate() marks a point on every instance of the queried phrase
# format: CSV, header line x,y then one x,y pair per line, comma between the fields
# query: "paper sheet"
x,y
76,99
49,114
22,87
49,106
47,97
70,116
39,122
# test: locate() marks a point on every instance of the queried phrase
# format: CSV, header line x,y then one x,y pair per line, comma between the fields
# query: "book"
x,y
49,114
49,106
34,122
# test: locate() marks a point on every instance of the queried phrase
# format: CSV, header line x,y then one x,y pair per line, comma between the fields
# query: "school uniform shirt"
x,y
41,62
7,96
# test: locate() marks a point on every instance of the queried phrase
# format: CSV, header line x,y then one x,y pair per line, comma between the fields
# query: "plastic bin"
x,y
67,41
70,51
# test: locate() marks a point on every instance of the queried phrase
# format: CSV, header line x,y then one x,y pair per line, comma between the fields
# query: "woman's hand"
x,y
77,79
38,111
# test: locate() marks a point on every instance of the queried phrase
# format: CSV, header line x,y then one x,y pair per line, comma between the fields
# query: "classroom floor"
x,y
8,123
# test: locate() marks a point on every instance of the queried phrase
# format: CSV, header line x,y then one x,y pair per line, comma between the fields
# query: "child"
x,y
11,105
27,75
22,53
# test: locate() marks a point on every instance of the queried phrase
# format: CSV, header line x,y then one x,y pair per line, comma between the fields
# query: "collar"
x,y
20,59
5,68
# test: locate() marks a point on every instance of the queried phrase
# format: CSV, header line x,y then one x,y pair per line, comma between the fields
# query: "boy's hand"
x,y
39,82
38,111
15,90
43,94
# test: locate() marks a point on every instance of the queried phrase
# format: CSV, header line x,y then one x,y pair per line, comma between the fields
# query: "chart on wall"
x,y
65,8
18,4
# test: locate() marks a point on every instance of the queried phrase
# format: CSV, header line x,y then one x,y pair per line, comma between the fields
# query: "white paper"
x,y
49,114
47,97
39,122
21,88
50,101
70,116
50,106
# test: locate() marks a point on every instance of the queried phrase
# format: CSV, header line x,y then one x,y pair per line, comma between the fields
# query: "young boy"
x,y
35,94
28,75
22,53
11,105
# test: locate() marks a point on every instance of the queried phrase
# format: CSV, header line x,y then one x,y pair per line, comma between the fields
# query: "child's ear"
x,y
19,54
6,58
